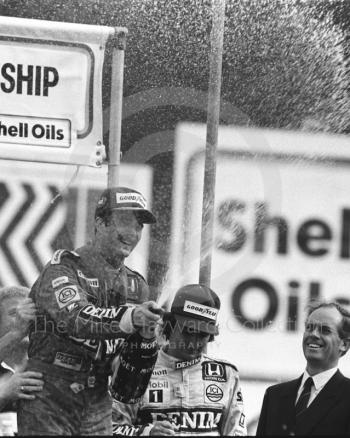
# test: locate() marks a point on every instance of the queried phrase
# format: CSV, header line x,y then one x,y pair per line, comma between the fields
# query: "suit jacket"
x,y
328,414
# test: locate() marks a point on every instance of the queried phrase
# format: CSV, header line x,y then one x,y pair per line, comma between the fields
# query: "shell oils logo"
x,y
214,393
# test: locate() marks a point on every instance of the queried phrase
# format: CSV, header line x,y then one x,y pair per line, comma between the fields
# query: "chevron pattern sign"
x,y
40,213
29,224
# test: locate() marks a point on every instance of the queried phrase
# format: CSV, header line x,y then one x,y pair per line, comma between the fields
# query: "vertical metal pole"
x,y
116,104
214,89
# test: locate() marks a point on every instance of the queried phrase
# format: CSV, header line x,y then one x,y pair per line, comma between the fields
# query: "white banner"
x,y
281,238
50,91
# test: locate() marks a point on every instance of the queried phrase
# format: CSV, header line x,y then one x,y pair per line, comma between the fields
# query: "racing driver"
x,y
83,321
190,393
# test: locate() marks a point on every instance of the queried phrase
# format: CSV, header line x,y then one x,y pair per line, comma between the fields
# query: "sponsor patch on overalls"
x,y
214,393
187,363
214,371
67,295
242,420
93,282
68,361
59,280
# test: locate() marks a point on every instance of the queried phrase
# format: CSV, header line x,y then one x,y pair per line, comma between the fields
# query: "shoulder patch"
x,y
222,361
57,255
66,296
214,371
59,280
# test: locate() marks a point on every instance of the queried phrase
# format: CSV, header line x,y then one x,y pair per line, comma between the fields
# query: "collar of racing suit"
x,y
175,363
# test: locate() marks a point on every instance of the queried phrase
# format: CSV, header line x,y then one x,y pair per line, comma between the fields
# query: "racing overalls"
x,y
201,397
82,322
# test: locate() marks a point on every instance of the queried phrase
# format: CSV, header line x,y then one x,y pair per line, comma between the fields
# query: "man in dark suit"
x,y
318,402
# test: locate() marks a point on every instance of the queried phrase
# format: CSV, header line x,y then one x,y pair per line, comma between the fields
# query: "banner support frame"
x,y
116,106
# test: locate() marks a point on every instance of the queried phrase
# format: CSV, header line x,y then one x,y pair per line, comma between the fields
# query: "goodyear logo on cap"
x,y
200,309
126,198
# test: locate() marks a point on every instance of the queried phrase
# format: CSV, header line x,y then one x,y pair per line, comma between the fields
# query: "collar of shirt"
x,y
319,380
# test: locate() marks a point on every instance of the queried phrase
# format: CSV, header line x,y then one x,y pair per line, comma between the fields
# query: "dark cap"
x,y
197,306
123,198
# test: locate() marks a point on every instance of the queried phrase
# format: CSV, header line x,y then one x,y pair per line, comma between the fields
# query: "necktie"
x,y
304,397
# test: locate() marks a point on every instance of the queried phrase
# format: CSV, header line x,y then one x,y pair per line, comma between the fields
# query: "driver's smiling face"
x,y
120,236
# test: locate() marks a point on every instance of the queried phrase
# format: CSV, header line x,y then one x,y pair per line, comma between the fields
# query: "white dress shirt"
x,y
319,379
